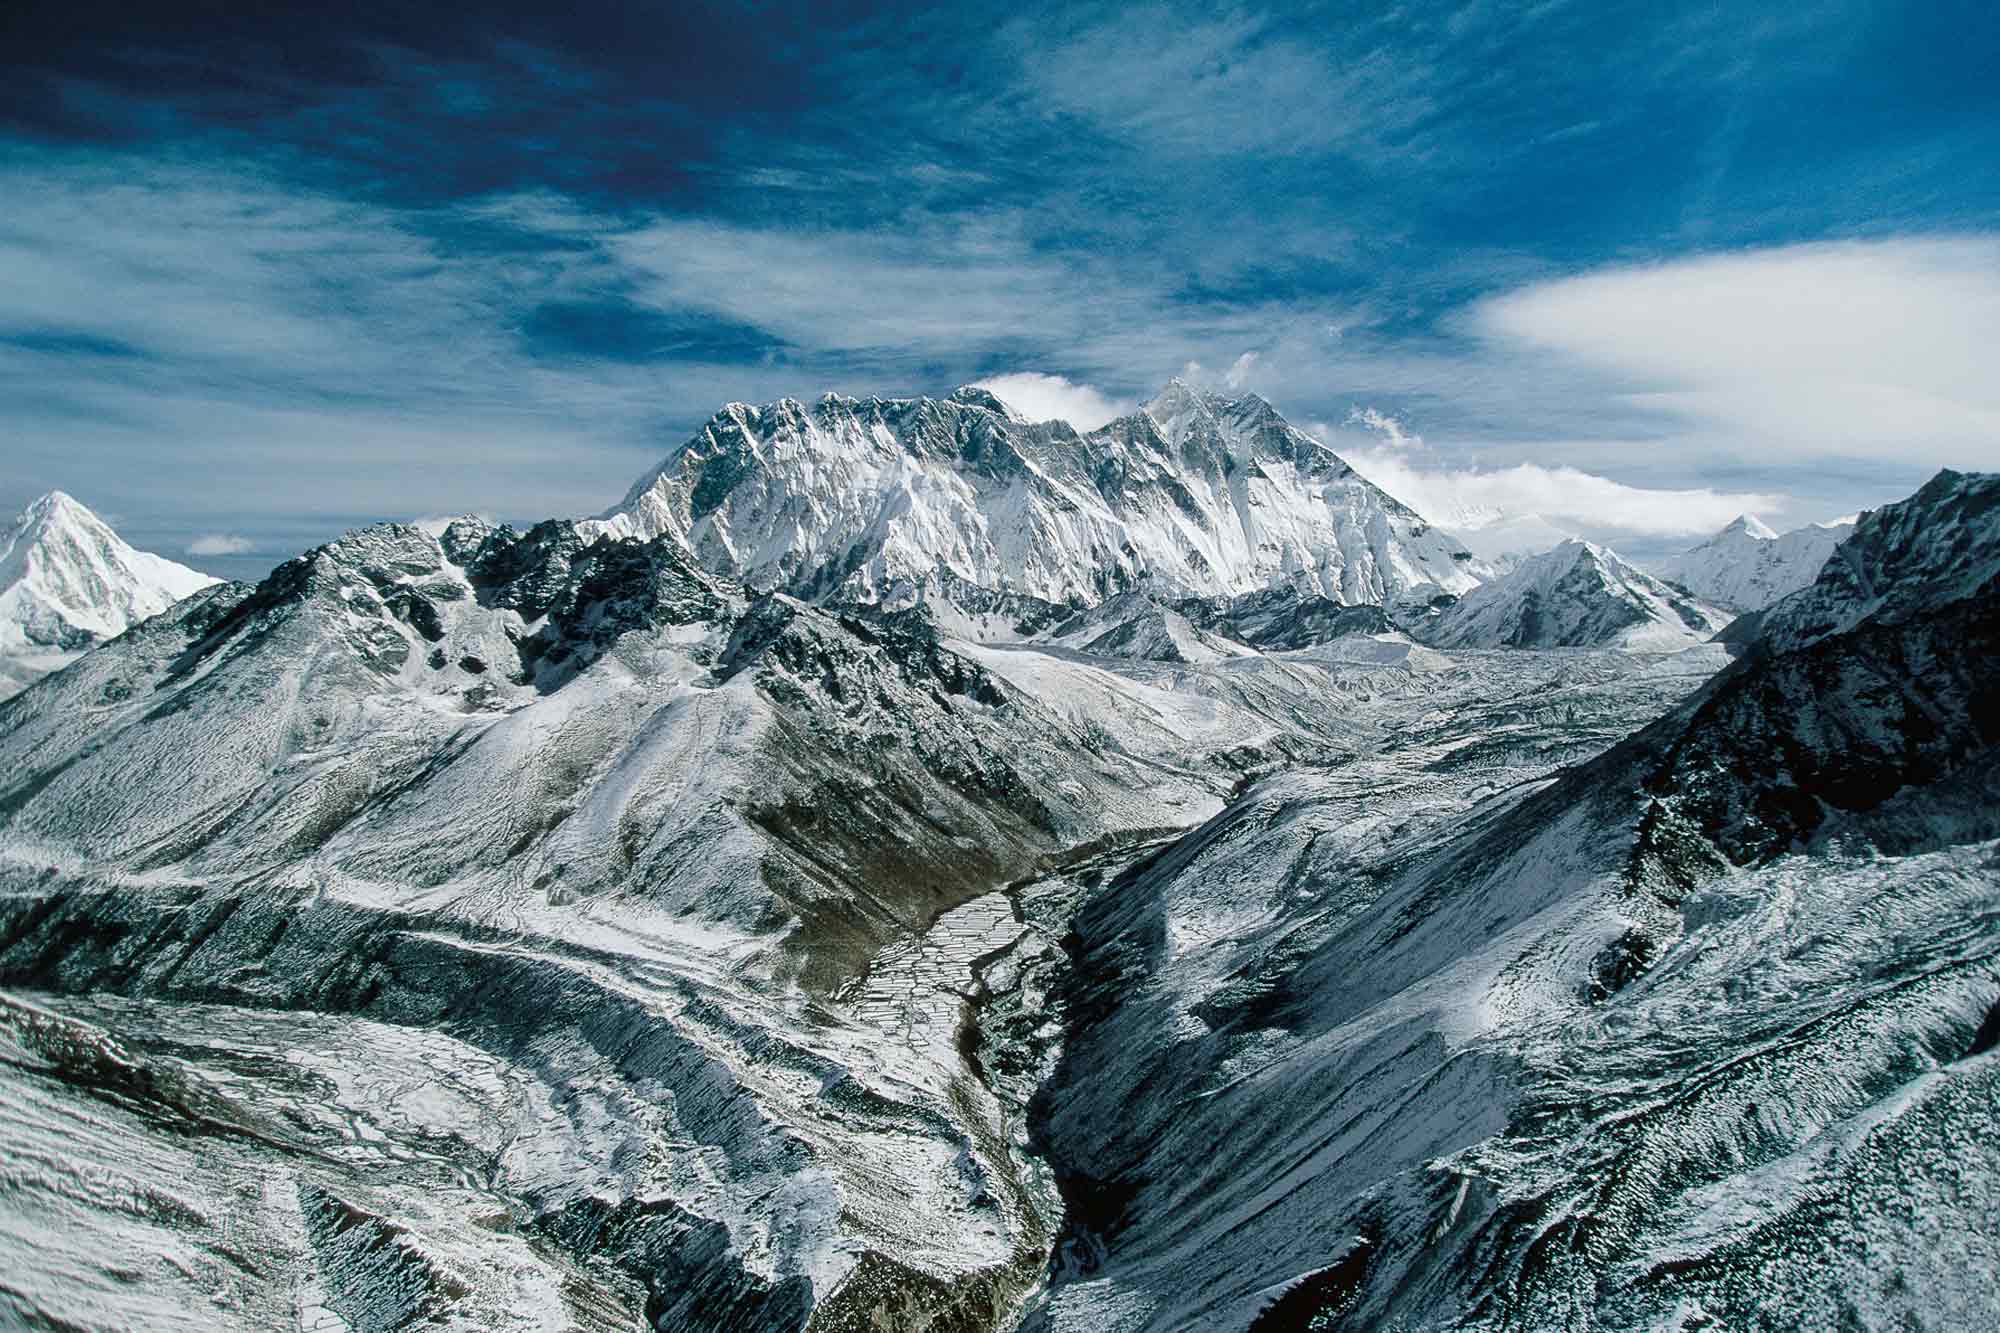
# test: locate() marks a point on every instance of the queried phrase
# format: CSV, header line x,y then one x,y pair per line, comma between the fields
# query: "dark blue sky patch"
x,y
60,343
620,331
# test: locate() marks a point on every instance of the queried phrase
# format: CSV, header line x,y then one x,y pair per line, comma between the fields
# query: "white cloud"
x,y
221,543
1040,397
1875,349
1530,504
1240,370
1566,496
1387,427
1240,83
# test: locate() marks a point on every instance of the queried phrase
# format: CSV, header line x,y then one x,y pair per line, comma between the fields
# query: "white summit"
x,y
67,582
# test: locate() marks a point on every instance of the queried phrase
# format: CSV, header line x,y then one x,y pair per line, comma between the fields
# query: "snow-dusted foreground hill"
x,y
538,930
1698,1033
67,581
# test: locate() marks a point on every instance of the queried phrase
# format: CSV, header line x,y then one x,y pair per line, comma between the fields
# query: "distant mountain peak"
x,y
1746,566
1749,525
1578,595
972,395
67,581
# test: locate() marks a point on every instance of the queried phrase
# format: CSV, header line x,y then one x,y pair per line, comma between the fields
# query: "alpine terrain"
x,y
909,867
67,582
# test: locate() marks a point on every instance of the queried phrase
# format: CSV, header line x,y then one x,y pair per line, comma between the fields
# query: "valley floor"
x,y
477,1156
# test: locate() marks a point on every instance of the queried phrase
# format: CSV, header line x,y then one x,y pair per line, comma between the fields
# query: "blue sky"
x,y
1637,266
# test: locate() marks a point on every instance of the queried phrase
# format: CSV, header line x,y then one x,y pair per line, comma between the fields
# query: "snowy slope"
x,y
1134,625
1746,566
67,581
625,831
519,930
1701,1032
894,500
1578,595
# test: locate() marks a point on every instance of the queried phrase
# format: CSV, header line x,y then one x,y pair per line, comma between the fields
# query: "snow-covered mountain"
x,y
1579,595
1747,566
517,930
1136,626
67,582
892,501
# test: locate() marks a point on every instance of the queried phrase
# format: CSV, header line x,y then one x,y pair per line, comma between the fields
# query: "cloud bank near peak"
x,y
1532,505
1041,397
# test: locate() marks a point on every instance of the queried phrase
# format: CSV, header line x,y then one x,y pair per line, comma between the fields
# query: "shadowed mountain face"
x,y
499,929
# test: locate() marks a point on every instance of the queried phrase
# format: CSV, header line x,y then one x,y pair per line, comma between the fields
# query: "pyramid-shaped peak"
x,y
1752,526
60,506
1575,550
1176,397
974,395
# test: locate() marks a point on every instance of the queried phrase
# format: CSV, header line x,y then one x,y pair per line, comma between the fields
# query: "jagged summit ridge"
x,y
67,581
898,500
1579,595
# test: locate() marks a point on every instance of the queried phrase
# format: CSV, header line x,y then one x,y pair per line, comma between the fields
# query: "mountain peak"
x,y
1578,595
67,581
1747,566
1176,399
973,395
57,509
1751,526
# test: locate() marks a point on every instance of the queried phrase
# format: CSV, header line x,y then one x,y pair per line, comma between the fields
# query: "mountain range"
x,y
911,867
955,501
